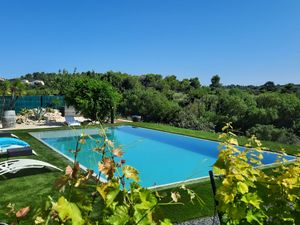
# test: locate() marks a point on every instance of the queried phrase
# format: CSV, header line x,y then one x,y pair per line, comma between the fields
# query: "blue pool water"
x,y
160,157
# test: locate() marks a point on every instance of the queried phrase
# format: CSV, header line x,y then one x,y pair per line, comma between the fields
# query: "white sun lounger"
x,y
70,121
15,165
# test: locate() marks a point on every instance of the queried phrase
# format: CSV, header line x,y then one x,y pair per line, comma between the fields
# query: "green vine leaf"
x,y
68,211
109,191
120,216
242,187
257,216
131,173
253,199
147,200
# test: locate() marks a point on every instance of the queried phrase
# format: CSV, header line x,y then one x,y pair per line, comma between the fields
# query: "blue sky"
x,y
245,42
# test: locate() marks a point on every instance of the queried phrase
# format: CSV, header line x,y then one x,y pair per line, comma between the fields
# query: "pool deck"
x,y
42,125
29,127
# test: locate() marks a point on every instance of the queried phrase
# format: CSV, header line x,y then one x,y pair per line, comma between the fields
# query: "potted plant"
x,y
15,89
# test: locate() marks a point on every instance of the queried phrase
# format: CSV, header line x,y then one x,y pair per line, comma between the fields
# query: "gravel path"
x,y
202,221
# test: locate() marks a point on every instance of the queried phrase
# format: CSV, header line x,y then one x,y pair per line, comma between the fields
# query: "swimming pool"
x,y
161,158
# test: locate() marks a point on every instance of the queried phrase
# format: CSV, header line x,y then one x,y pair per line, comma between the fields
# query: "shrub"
x,y
184,119
38,113
251,195
271,133
150,104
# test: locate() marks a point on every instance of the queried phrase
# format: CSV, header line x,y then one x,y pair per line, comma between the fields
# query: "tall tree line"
x,y
270,111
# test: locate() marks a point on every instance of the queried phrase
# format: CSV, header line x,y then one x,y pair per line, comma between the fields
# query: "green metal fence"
x,y
30,102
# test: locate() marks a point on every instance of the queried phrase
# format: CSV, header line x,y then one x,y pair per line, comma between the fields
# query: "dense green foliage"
x,y
252,195
14,89
94,98
188,104
4,90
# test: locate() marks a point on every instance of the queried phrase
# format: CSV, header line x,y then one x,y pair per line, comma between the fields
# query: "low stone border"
x,y
202,221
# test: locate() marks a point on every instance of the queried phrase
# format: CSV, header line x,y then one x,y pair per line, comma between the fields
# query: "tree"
x,y
185,85
130,82
114,78
172,82
287,107
197,93
232,106
152,95
289,88
17,89
150,104
215,81
269,86
151,80
4,90
94,98
195,83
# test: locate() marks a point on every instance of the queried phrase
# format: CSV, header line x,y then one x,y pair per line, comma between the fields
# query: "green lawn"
x,y
33,190
30,190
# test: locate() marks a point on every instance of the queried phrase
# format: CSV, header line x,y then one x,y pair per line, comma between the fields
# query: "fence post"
x,y
214,189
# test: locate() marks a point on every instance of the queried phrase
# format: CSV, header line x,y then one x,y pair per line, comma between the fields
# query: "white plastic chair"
x,y
70,121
